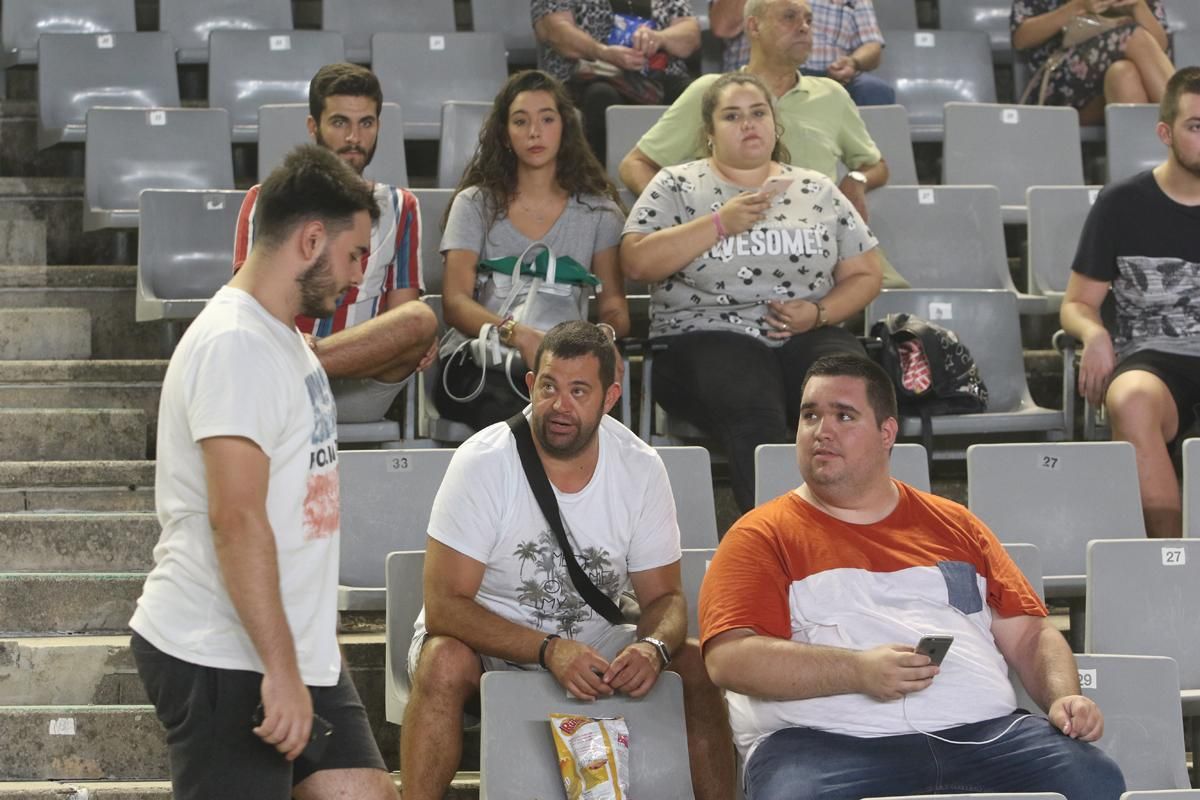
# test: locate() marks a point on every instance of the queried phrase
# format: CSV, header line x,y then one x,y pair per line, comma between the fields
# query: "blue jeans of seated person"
x,y
865,89
802,763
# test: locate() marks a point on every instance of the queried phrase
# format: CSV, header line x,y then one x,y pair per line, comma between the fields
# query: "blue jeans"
x,y
801,763
865,89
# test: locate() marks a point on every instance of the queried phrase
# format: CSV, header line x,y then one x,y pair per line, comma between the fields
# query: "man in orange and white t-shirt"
x,y
813,604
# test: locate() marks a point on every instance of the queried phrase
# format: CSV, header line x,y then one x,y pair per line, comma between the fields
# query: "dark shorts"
x,y
1181,374
213,751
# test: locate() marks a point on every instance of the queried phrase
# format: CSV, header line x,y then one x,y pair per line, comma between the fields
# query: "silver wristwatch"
x,y
857,177
661,647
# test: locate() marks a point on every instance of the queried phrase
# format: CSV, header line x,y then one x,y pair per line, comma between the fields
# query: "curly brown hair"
x,y
493,168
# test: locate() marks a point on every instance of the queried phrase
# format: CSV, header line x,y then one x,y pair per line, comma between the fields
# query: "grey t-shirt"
x,y
790,255
588,225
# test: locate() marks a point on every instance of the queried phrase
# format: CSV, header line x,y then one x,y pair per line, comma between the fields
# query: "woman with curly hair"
x,y
533,178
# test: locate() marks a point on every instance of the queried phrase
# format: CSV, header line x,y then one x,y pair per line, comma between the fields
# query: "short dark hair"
x,y
577,339
311,183
345,79
1184,81
881,395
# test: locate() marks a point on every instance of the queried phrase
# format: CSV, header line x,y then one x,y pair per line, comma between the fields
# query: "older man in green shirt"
x,y
820,122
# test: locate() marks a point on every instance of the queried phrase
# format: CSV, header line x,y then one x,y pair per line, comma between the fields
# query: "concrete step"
x,y
22,241
464,787
58,204
19,153
78,542
66,486
58,434
82,743
45,333
43,604
106,292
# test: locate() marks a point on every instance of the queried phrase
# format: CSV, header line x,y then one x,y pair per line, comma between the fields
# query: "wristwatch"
x,y
857,177
661,647
506,331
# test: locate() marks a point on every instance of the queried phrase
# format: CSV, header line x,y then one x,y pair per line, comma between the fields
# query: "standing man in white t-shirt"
x,y
498,594
239,615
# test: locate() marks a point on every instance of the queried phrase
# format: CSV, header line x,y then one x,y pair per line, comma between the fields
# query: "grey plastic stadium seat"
x,y
510,19
1012,148
689,470
1055,220
1059,497
625,125
1143,729
433,204
191,21
987,323
128,150
931,68
989,16
79,71
896,15
1187,48
1010,796
248,69
1191,488
185,250
1133,145
693,564
386,499
518,761
1165,794
1182,15
423,70
1142,596
282,126
461,123
405,598
1028,559
946,237
22,22
776,470
358,20
888,126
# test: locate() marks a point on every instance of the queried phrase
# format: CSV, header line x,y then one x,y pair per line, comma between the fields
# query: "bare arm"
x,y
725,17
1037,30
559,31
857,281
1145,17
779,669
398,297
1043,661
681,38
1080,317
877,174
637,170
237,474
611,303
868,56
462,312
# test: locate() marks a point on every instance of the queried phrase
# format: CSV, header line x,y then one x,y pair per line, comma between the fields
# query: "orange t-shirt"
x,y
789,570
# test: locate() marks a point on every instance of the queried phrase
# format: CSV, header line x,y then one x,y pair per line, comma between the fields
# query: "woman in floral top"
x,y
1128,64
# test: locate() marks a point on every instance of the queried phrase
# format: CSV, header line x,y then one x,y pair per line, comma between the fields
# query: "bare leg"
x,y
1093,112
710,741
1123,83
347,784
387,348
447,677
1143,413
1152,63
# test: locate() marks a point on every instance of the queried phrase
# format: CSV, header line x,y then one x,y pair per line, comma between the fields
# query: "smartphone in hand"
x,y
776,185
318,740
935,646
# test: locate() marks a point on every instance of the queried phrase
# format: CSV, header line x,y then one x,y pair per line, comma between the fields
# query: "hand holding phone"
x,y
776,185
935,646
318,740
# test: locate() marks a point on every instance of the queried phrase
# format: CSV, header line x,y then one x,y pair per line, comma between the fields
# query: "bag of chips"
x,y
593,756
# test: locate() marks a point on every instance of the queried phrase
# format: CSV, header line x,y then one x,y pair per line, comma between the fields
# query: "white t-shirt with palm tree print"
x,y
623,521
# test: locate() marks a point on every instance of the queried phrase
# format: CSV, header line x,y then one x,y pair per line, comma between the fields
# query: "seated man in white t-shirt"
x,y
497,593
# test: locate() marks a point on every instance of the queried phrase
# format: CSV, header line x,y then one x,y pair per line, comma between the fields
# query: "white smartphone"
x,y
776,185
935,646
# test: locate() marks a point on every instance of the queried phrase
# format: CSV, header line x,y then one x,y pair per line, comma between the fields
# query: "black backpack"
x,y
955,386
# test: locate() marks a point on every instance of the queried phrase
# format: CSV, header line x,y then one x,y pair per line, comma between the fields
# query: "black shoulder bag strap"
x,y
542,491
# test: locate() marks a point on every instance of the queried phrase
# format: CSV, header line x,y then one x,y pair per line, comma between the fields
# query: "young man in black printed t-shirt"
x,y
1142,239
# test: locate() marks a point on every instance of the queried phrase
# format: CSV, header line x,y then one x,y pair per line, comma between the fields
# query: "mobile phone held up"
x,y
935,646
776,185
318,740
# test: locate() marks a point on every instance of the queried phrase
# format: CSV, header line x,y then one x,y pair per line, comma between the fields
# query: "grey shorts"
x,y
364,399
213,751
614,640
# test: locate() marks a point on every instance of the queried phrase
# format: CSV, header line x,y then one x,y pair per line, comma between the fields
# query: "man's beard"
x,y
350,148
572,447
318,291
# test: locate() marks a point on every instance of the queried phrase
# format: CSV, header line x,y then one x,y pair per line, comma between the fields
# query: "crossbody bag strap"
x,y
601,603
